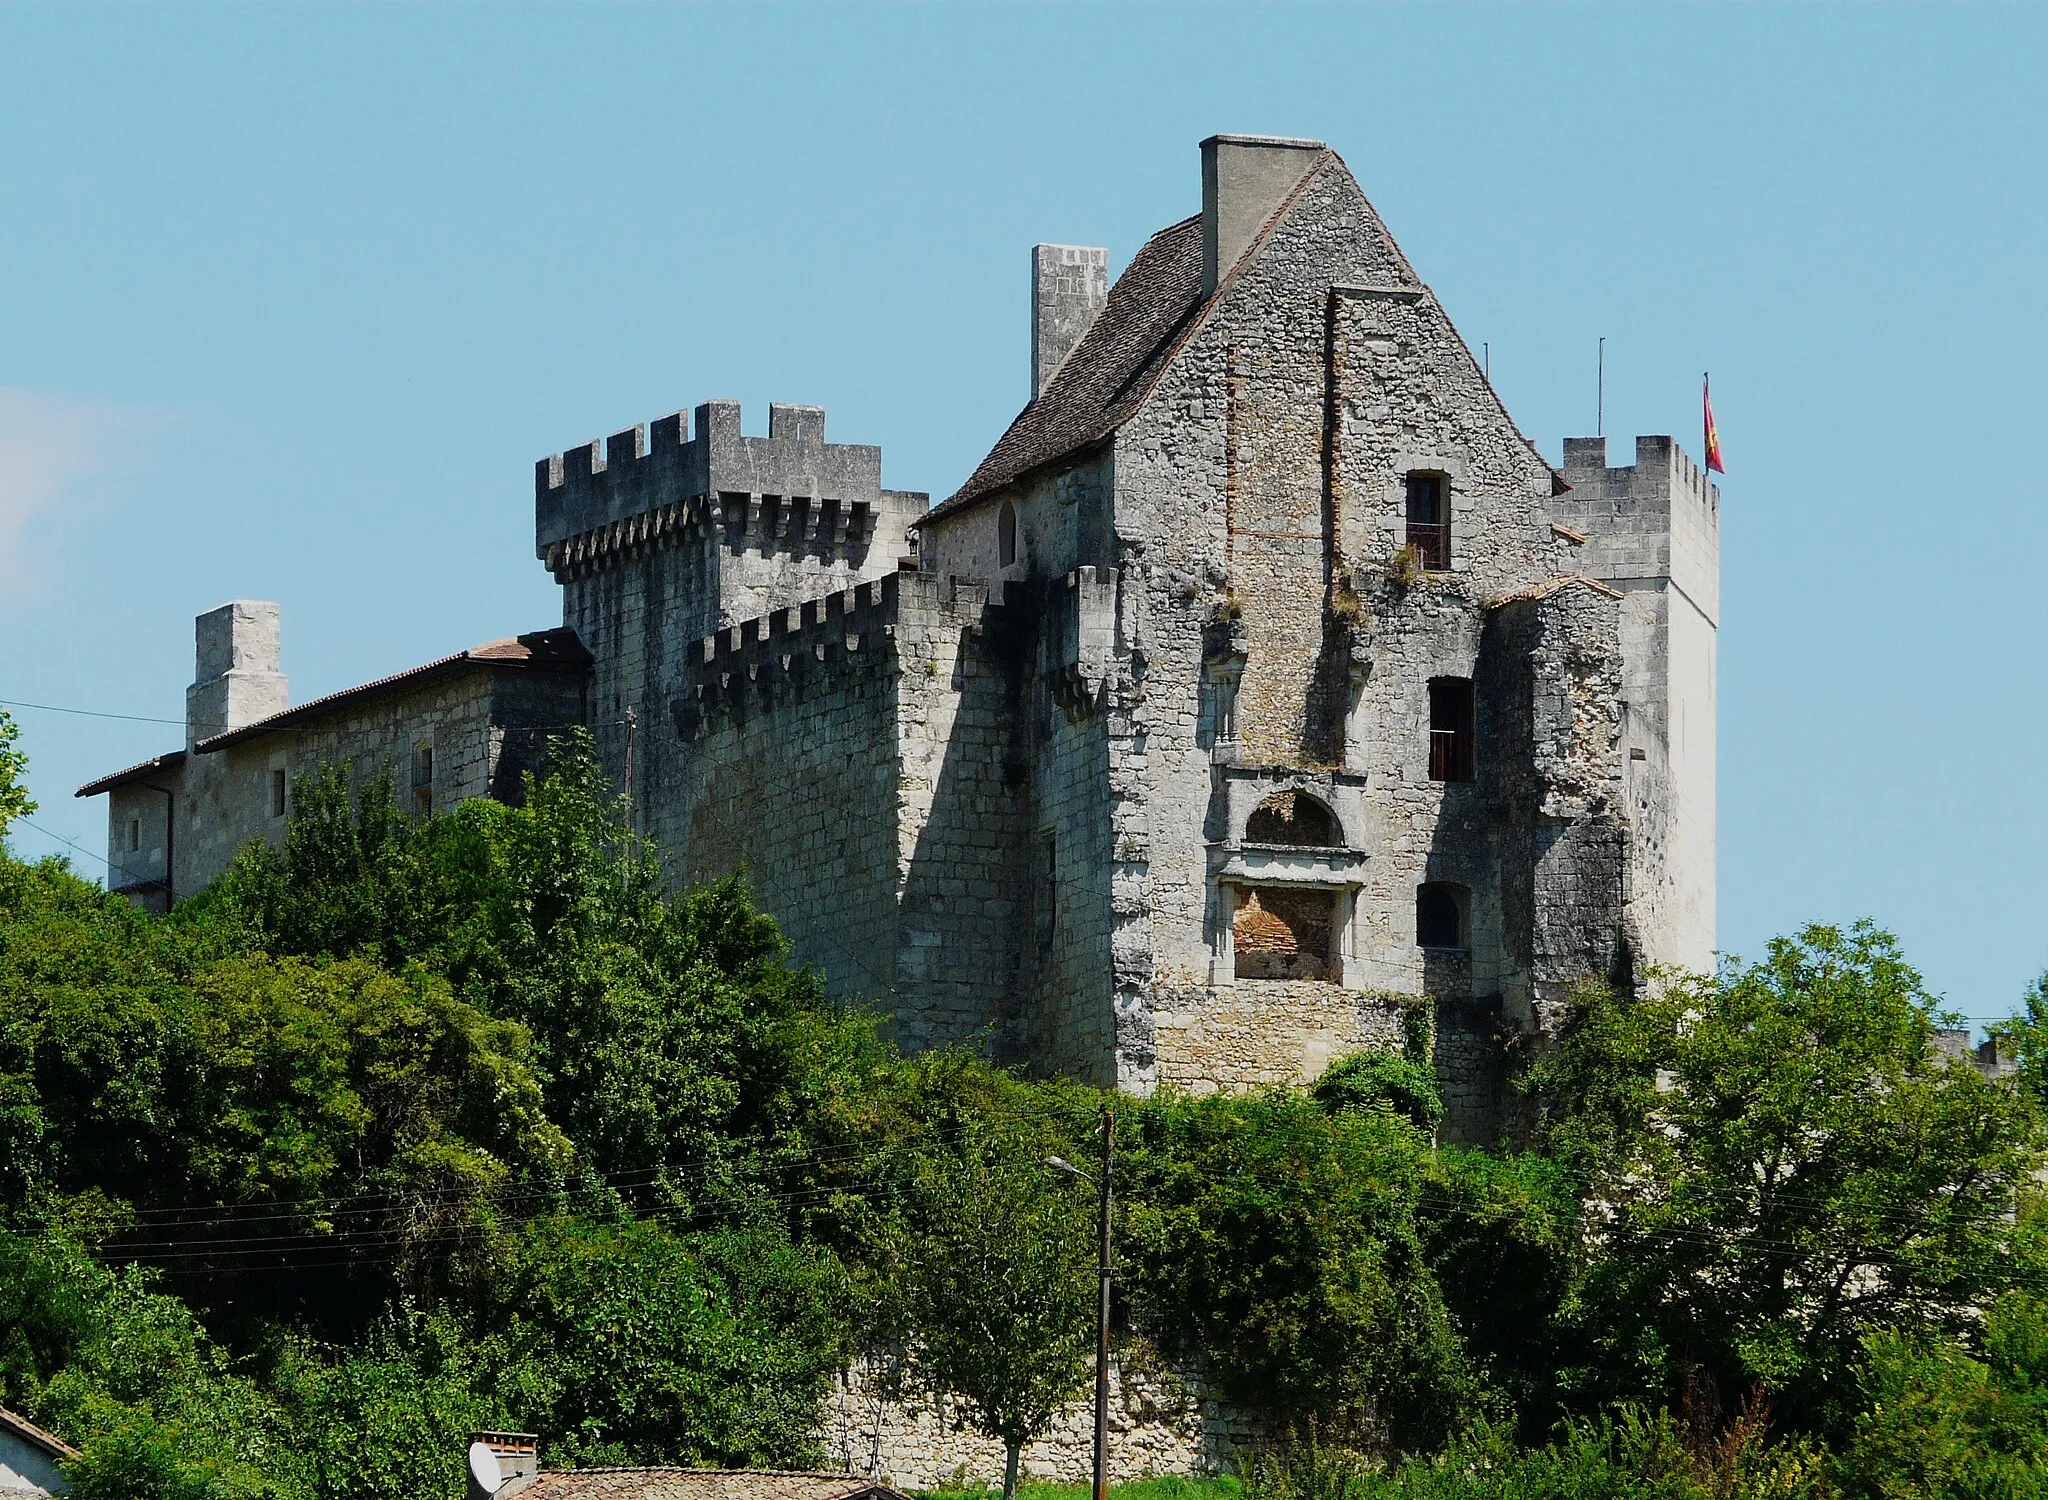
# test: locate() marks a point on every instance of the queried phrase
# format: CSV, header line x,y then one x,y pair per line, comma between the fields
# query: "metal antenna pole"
x,y
1600,395
1108,1270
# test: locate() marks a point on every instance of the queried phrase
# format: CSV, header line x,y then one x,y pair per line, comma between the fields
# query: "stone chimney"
x,y
235,679
501,1464
1245,178
1069,284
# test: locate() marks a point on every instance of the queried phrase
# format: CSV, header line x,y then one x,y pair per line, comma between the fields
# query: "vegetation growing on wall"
x,y
413,1126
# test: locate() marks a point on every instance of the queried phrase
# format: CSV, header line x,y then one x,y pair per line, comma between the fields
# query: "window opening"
x,y
1429,521
134,835
1006,535
1450,729
277,792
1293,819
1047,896
1439,916
1281,932
422,778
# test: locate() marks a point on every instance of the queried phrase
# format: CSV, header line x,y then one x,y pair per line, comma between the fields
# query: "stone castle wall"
x,y
1160,1422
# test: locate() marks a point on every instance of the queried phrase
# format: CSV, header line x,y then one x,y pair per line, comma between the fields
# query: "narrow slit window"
x,y
1006,535
422,779
1451,735
277,792
1429,521
134,835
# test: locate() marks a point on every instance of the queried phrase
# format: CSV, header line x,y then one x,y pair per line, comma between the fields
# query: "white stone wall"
x,y
1160,1422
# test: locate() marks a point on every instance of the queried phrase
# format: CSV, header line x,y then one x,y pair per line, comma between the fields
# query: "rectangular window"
x,y
423,779
134,835
277,792
1450,729
1429,521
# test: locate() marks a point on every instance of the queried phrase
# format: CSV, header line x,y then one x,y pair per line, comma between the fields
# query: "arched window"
x,y
1295,819
1439,915
1006,535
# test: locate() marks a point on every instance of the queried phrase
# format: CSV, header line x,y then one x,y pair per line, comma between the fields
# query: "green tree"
x,y
15,801
1279,1244
997,1284
1940,1421
1776,1164
676,1044
627,1343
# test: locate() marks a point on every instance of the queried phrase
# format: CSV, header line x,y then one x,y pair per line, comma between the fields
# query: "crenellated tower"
x,y
671,531
1652,529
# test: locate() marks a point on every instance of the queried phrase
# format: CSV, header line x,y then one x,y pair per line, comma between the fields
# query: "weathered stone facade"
x,y
469,725
1263,687
1160,1422
1264,539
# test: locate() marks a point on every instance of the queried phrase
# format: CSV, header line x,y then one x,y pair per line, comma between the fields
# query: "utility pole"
x,y
1108,1269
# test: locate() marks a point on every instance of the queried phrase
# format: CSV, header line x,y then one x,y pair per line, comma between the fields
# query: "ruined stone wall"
x,y
1160,1422
1265,479
1272,1032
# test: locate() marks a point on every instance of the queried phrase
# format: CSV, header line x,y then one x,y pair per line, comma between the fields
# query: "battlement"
x,y
671,478
1650,524
759,664
1661,469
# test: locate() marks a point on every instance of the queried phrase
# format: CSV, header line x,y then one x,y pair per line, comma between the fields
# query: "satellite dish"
x,y
483,1468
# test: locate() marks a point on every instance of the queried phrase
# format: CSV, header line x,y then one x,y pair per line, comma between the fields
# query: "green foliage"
x,y
1939,1422
128,1375
469,1121
1280,1244
165,1094
1383,1080
675,1043
1780,1166
15,801
627,1343
997,1281
1504,1238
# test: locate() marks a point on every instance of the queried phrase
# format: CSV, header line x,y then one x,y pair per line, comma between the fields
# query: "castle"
x,y
1262,681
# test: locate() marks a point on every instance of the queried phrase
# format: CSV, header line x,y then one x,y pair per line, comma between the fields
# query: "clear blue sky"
x,y
292,297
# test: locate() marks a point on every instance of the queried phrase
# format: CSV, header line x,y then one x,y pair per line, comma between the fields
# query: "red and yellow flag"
x,y
1713,432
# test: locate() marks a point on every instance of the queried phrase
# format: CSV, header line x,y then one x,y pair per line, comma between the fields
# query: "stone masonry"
x,y
1262,691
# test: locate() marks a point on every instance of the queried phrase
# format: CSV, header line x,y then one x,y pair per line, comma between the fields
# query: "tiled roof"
x,y
170,760
34,1436
1106,378
557,650
702,1484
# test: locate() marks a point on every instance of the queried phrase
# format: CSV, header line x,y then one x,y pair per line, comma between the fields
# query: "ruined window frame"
x,y
1330,960
1320,813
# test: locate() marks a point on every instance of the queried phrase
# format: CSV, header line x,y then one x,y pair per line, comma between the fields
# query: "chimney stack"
x,y
1069,284
501,1464
1245,179
235,675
